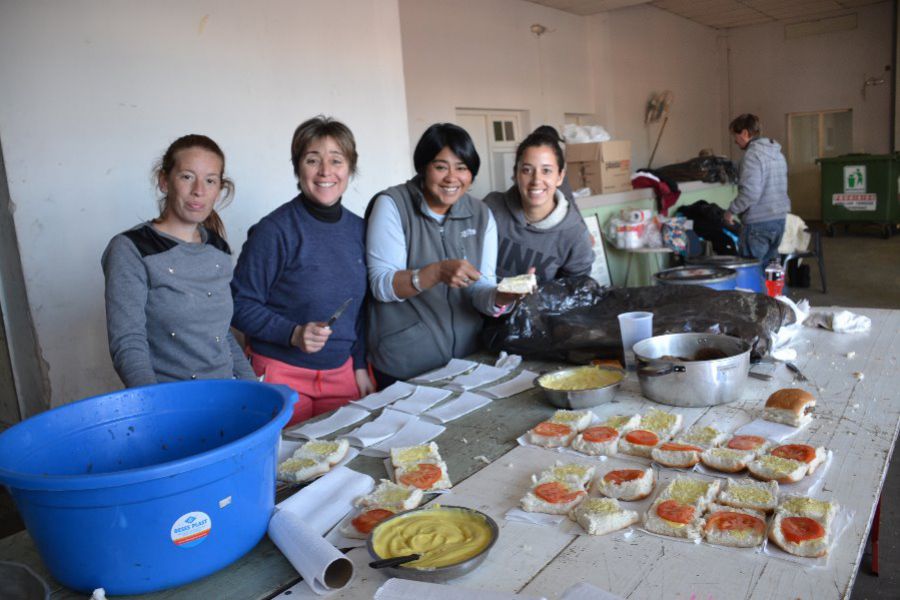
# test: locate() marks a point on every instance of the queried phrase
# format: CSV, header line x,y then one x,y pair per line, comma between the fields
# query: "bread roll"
x,y
790,406
726,526
391,496
331,452
653,521
626,484
726,459
599,516
550,435
579,420
705,436
774,468
423,453
676,455
302,469
639,442
599,440
747,493
553,498
663,423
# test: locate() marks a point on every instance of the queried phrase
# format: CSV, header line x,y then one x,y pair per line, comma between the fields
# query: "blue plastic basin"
x,y
148,488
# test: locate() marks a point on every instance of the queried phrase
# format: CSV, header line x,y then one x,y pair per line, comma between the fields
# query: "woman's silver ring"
x,y
466,280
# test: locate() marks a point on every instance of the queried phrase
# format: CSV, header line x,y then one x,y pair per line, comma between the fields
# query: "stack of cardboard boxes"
x,y
605,167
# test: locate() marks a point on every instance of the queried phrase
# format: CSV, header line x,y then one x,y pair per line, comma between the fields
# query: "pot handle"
x,y
658,369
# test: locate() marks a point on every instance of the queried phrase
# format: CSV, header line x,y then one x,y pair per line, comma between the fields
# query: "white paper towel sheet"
x,y
323,567
325,501
343,417
421,400
586,591
769,430
521,382
454,409
404,589
416,431
392,393
481,375
451,369
388,423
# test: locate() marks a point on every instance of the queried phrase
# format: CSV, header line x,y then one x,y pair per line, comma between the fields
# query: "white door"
x,y
814,135
496,135
476,125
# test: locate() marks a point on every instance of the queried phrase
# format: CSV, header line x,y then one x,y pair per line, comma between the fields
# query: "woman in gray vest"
x,y
538,226
431,252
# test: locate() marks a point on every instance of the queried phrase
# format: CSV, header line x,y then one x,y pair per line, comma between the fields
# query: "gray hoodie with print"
x,y
557,246
762,183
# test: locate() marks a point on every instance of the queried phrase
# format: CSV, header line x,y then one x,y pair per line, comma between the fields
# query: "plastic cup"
x,y
635,326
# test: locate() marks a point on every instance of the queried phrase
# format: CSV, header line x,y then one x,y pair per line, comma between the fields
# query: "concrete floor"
x,y
862,270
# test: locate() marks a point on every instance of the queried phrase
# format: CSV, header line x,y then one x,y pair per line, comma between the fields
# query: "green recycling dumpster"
x,y
861,188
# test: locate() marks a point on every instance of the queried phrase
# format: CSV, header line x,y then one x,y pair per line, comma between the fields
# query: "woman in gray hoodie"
x,y
537,226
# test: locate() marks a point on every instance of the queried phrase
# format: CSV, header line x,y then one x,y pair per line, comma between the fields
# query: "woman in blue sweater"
x,y
301,263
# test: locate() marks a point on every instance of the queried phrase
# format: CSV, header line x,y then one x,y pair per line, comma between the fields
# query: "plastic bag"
x,y
575,320
710,169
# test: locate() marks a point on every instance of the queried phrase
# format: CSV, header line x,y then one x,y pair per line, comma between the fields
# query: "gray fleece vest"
x,y
424,332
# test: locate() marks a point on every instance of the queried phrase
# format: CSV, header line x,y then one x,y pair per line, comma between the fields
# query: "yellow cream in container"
x,y
581,378
442,536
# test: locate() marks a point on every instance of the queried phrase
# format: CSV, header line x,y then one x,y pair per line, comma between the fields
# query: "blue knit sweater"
x,y
294,269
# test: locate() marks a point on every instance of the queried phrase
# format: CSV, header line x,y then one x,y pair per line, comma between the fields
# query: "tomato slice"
x,y
642,437
746,442
800,452
555,492
801,529
676,447
366,522
599,434
621,476
422,476
734,521
550,429
675,512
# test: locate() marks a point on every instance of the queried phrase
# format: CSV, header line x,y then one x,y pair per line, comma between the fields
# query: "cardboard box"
x,y
605,167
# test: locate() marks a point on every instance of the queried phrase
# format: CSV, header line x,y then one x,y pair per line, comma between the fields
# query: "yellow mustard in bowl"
x,y
442,536
581,378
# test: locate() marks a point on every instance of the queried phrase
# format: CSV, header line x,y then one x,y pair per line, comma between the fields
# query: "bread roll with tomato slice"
x,y
553,497
775,468
639,442
821,510
599,516
423,453
727,460
665,424
791,406
692,490
703,435
667,516
574,473
740,528
750,443
799,535
676,454
597,440
579,420
810,455
745,493
550,434
626,484
427,477
391,496
361,525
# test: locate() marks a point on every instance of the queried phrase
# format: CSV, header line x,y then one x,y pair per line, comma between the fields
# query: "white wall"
x,y
482,54
93,92
773,76
642,50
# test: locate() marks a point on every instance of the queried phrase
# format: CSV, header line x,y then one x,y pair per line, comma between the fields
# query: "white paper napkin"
x,y
325,501
463,405
481,375
586,591
416,431
421,400
521,382
323,567
343,417
395,391
404,589
517,515
387,424
767,429
454,367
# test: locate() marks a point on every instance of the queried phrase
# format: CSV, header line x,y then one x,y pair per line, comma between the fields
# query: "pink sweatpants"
x,y
319,391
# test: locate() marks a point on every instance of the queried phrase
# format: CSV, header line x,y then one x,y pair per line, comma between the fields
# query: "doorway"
x,y
813,135
496,134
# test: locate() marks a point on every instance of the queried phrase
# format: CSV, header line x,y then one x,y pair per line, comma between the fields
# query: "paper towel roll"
x,y
323,567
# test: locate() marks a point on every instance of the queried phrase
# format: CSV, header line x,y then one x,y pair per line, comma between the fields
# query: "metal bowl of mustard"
x,y
452,541
580,387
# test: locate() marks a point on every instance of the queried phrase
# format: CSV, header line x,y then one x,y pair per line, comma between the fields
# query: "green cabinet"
x,y
861,188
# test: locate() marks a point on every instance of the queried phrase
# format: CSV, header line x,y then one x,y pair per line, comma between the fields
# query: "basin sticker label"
x,y
191,529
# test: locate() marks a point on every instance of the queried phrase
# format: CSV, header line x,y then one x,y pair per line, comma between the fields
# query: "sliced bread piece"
x,y
727,460
665,424
597,440
692,490
639,442
667,516
298,470
392,496
573,473
579,420
550,435
423,453
626,484
747,493
703,435
740,528
623,423
424,476
599,516
331,452
553,498
677,455
810,455
775,468
361,525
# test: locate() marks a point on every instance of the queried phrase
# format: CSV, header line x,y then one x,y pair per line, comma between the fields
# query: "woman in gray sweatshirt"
x,y
168,301
538,228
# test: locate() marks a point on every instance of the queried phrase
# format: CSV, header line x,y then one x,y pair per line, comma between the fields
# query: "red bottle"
x,y
774,278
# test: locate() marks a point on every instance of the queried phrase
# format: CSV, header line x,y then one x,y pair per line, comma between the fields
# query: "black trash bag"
x,y
710,169
709,224
575,320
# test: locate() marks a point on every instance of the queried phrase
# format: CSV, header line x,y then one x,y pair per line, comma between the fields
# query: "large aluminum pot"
x,y
692,369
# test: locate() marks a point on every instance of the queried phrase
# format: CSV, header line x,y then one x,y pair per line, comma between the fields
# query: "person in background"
x,y
301,263
431,251
168,304
762,202
537,226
